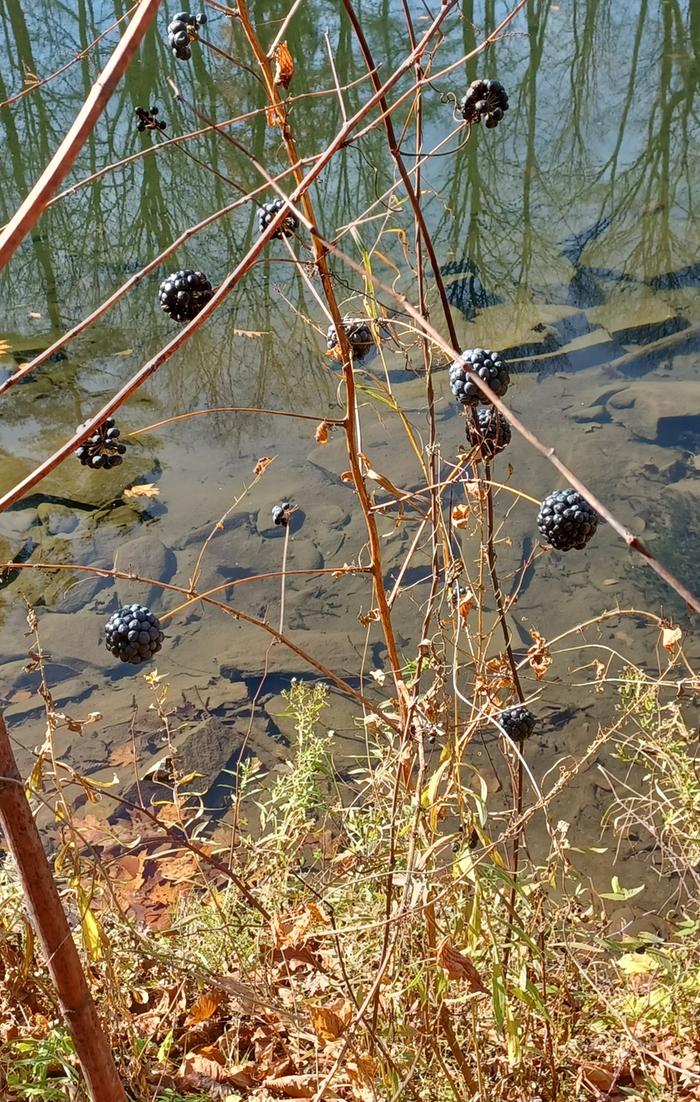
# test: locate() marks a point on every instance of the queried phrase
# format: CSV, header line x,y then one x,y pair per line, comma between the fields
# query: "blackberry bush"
x,y
182,30
485,99
103,449
268,211
147,119
281,513
566,520
487,366
358,333
183,294
133,634
491,434
518,722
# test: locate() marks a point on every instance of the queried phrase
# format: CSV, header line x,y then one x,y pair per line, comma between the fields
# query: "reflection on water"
x,y
567,238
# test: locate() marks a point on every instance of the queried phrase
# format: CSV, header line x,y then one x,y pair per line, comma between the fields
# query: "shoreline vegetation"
x,y
419,919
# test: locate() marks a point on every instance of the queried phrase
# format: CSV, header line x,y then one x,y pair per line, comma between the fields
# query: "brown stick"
x,y
50,923
61,163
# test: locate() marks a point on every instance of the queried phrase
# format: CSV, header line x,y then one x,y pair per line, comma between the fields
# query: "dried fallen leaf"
x,y
123,755
146,490
368,617
201,1073
262,464
670,637
205,1007
460,515
539,656
458,966
322,432
284,65
34,315
292,1086
330,1022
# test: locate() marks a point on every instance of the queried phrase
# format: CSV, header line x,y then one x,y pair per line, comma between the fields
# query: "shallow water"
x,y
568,234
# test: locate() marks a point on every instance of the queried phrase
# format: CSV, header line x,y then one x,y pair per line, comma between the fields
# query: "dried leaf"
x,y
146,490
284,65
539,656
346,476
460,515
330,1022
369,617
201,1073
322,432
262,464
292,1086
205,1007
34,315
670,637
458,966
274,115
123,755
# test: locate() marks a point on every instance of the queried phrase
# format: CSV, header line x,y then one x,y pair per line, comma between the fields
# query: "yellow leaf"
x,y
284,65
670,637
93,938
637,964
146,490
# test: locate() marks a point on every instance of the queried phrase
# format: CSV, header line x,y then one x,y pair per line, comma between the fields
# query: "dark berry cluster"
x,y
491,434
133,634
281,513
485,99
487,366
103,449
517,722
181,31
268,211
358,334
147,119
183,294
566,520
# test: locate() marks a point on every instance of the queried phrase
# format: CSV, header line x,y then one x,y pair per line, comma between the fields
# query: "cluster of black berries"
x,y
358,334
281,513
487,366
133,634
517,722
485,99
183,294
268,211
181,31
102,449
491,434
147,119
566,520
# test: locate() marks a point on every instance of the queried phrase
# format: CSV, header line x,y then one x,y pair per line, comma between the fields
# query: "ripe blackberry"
x,y
183,294
103,449
133,634
281,513
485,99
566,520
487,366
517,722
268,211
181,31
147,119
492,434
358,333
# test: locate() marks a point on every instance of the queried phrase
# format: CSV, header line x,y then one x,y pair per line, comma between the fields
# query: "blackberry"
x,y
147,119
517,722
281,513
485,99
133,634
566,520
183,294
487,366
268,211
103,449
181,31
492,434
358,333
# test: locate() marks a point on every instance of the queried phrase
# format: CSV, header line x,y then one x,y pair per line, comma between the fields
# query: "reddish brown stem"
x,y
51,925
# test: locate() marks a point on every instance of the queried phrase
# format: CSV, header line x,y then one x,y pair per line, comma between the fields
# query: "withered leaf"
x,y
460,515
670,637
322,432
262,464
274,115
292,1086
146,490
202,1073
330,1022
123,755
539,656
284,65
458,966
205,1007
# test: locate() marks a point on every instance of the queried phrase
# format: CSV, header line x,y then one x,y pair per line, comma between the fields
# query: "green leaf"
x,y
619,894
